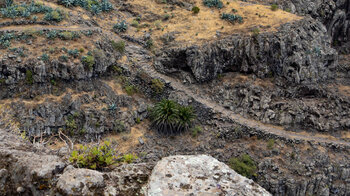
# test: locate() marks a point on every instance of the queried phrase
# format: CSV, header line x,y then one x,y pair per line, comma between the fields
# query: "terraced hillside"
x,y
267,86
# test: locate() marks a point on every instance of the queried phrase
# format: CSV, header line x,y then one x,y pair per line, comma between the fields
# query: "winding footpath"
x,y
252,125
255,127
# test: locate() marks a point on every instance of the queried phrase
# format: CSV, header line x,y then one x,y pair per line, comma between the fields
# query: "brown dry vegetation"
x,y
194,28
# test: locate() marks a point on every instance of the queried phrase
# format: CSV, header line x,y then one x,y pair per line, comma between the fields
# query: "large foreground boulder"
x,y
25,169
198,175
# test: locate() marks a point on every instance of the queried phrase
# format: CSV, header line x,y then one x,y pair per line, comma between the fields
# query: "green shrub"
x,y
243,165
129,158
55,15
213,3
170,117
66,35
117,69
53,82
196,130
137,120
149,43
195,10
130,89
274,7
120,126
158,24
71,125
256,31
135,23
29,77
232,18
121,26
118,46
88,61
94,157
157,86
270,143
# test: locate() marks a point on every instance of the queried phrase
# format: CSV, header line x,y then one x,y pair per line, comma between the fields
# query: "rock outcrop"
x,y
299,52
14,68
199,175
25,169
334,14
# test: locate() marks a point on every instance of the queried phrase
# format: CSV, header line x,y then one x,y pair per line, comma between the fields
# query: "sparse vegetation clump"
x,y
274,7
45,57
196,130
94,157
270,143
54,15
5,40
121,26
129,158
233,18
243,165
118,46
74,53
149,43
130,89
29,77
68,35
213,3
157,86
169,117
88,61
195,10
256,31
23,10
94,6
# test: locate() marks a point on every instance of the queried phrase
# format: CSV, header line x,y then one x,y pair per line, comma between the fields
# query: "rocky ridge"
x,y
299,52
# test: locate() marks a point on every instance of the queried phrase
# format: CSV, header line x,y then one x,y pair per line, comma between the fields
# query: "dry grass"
x,y
116,87
128,141
193,28
344,90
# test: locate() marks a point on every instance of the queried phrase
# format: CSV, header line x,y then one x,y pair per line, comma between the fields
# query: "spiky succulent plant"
x,y
169,117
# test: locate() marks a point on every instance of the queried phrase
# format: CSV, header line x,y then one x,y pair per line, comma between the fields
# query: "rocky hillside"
x,y
258,85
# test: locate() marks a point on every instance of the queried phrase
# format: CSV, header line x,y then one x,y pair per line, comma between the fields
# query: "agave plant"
x,y
121,26
186,117
232,18
164,116
67,3
106,6
168,117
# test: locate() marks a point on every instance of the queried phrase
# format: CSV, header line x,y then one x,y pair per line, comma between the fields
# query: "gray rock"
x,y
81,182
198,175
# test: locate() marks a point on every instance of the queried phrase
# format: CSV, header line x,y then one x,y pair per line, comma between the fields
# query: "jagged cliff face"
x,y
299,52
334,14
